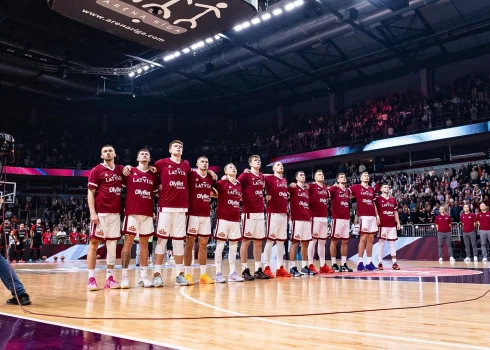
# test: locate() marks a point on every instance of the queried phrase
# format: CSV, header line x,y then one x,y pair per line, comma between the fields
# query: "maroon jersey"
x,y
339,202
387,208
443,223
108,183
82,238
468,221
229,196
253,192
199,193
277,188
173,177
364,199
299,202
47,237
73,237
484,219
318,200
140,188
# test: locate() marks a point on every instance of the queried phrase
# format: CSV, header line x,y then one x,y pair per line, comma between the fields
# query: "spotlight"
x,y
217,37
176,54
209,40
266,16
146,67
238,28
298,3
277,12
194,46
255,21
168,58
200,44
139,70
289,6
131,74
246,24
186,50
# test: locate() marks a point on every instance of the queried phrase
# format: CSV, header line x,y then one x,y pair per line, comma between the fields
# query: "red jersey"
x,y
140,189
468,221
38,231
199,193
82,238
108,183
173,177
299,203
277,188
443,223
318,200
73,237
484,219
253,192
387,208
364,199
47,237
229,196
339,202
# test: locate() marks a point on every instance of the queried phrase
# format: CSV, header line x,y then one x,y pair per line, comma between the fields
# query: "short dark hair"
x,y
105,146
252,157
317,171
143,150
337,177
298,172
177,142
201,157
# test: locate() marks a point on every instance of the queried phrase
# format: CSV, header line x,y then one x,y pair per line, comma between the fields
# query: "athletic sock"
x,y
311,251
157,270
393,251
292,264
381,245
124,273
258,265
91,273
203,269
280,254
179,268
244,266
143,272
321,252
108,274
303,263
344,260
187,270
334,261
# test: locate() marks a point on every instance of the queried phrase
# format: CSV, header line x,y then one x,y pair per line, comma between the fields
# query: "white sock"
x,y
321,252
218,255
124,273
268,253
303,263
244,266
381,245
232,256
157,269
91,273
187,270
143,272
108,274
344,260
369,260
203,269
258,265
280,249
292,264
334,261
311,251
179,268
393,251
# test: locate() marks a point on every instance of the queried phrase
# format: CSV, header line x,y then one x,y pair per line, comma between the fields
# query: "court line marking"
x,y
373,335
141,340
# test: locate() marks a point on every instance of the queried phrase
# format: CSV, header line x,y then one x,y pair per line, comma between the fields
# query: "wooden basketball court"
x,y
312,312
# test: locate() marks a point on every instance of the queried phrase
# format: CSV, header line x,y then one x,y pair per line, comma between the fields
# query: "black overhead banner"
x,y
161,24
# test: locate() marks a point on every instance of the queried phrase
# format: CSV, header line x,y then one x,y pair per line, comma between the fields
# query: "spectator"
x,y
61,236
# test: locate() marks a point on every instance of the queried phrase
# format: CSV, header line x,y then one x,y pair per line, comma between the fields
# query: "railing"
x,y
423,230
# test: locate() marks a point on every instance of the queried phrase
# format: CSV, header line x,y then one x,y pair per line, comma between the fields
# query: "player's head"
x,y
21,226
202,163
341,178
38,221
230,169
176,148
442,209
254,162
6,223
107,153
483,207
385,188
143,156
319,176
466,208
364,176
300,176
278,168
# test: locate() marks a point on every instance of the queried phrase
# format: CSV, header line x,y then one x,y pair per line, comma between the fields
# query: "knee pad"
x,y
178,247
161,245
111,252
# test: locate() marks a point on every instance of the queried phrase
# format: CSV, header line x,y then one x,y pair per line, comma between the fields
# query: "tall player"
x,y
277,219
141,185
20,239
368,219
252,217
37,232
300,224
468,220
389,222
198,219
339,204
104,202
229,193
483,218
318,212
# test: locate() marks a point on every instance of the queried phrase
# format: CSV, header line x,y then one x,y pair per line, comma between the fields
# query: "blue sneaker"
x,y
361,267
180,280
370,267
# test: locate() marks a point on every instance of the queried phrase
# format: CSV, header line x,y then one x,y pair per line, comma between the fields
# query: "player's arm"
x,y
94,218
377,215
437,225
397,219
213,174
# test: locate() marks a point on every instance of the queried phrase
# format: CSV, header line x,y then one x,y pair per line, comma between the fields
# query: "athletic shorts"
x,y
138,225
340,228
109,227
253,226
388,233
227,230
277,227
319,228
171,225
300,231
368,224
20,247
37,243
198,226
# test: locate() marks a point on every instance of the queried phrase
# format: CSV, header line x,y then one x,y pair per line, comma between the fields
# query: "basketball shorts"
x,y
300,231
37,242
319,228
253,226
277,227
171,225
109,227
138,225
227,230
20,247
198,226
368,224
388,233
340,228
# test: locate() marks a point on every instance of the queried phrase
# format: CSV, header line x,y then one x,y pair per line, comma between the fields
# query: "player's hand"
x,y
268,197
213,175
398,227
378,221
127,170
94,218
247,171
153,169
292,185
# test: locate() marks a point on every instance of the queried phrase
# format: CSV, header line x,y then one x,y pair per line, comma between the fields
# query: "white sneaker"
x,y
147,283
467,260
157,280
451,260
475,259
440,260
219,278
124,283
484,260
234,277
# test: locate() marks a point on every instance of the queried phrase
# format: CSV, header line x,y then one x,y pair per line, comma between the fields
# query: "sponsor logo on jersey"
x,y
283,194
303,204
303,194
233,203
116,190
177,184
143,180
113,178
204,197
176,172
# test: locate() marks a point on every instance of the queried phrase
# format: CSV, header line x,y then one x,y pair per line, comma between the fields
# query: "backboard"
x,y
8,191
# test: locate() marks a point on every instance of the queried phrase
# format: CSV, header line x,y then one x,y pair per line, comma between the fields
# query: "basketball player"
x,y
141,185
443,226
300,224
104,202
252,218
339,196
389,222
37,232
229,194
20,239
277,219
368,219
483,222
198,219
468,220
318,194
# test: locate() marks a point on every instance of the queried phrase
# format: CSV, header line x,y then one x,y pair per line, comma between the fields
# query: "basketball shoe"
x,y
23,299
247,276
281,272
294,272
260,275
111,283
380,267
361,267
92,285
146,283
326,269
268,272
124,283
189,279
233,277
312,269
305,271
157,280
336,268
345,268
219,278
180,280
206,279
370,267
395,266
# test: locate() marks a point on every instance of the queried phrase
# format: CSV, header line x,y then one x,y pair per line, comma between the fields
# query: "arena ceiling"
x,y
298,55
